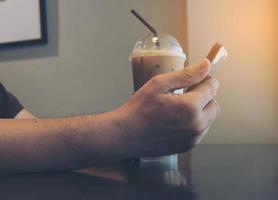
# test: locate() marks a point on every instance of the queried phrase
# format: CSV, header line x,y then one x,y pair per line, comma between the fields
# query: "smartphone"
x,y
217,53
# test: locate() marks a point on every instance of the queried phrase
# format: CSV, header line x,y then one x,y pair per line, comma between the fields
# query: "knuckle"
x,y
192,108
176,113
209,122
187,72
198,127
156,80
209,88
175,110
216,109
198,130
212,86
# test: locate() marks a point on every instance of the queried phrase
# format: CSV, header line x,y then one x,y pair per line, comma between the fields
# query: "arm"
x,y
153,122
59,144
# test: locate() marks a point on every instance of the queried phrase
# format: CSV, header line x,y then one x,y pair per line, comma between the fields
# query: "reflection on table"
x,y
214,172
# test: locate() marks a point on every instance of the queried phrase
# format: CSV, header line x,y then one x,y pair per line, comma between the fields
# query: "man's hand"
x,y
153,122
159,122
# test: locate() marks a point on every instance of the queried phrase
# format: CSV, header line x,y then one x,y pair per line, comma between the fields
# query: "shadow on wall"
x,y
51,49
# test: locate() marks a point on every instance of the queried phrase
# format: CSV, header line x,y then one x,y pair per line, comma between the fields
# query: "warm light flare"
x,y
248,78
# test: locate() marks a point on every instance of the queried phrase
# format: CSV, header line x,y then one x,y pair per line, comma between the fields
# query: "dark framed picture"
x,y
22,22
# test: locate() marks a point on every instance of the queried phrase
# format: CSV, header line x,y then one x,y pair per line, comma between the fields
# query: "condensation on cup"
x,y
149,59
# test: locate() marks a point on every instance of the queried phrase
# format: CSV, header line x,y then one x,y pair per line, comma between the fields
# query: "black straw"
x,y
150,27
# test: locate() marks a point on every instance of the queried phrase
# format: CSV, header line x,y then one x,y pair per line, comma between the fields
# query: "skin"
x,y
24,114
153,122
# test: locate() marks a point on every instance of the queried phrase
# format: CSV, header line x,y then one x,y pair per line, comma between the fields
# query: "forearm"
x,y
60,144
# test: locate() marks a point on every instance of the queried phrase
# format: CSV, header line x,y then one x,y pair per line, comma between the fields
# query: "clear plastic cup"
x,y
152,56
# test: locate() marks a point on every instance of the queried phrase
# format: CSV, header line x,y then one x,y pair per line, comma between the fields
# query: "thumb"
x,y
186,77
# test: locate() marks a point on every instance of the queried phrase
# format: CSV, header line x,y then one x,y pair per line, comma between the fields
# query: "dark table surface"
x,y
226,172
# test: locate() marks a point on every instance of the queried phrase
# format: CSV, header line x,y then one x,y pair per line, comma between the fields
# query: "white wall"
x,y
84,68
249,77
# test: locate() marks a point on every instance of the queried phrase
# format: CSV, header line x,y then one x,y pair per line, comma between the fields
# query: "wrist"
x,y
94,139
129,130
116,128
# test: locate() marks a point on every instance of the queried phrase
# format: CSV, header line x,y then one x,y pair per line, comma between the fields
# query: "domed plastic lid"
x,y
163,44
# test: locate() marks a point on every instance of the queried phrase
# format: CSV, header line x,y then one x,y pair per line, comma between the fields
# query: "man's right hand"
x,y
158,122
153,122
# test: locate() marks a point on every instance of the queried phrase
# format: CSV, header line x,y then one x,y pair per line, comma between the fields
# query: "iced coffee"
x,y
149,59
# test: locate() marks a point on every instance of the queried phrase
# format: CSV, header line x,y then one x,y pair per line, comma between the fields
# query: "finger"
x,y
200,137
185,78
194,86
211,112
202,94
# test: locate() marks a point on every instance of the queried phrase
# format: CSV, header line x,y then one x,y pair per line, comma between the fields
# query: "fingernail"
x,y
204,64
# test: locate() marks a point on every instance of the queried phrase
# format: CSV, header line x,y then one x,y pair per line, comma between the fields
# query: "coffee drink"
x,y
149,63
150,58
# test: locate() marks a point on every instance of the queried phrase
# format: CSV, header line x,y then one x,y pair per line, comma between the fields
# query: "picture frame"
x,y
22,23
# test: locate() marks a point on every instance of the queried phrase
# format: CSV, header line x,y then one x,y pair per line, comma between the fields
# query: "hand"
x,y
159,122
